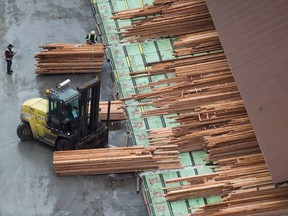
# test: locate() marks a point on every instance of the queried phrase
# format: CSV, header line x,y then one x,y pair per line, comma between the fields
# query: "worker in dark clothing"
x,y
8,57
91,38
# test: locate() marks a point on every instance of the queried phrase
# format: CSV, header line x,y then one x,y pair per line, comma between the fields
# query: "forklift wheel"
x,y
24,131
63,145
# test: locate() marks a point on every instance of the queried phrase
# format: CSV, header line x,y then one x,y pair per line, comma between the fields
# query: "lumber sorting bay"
x,y
115,160
200,94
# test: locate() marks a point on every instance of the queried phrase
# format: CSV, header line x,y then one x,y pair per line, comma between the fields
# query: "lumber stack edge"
x,y
115,160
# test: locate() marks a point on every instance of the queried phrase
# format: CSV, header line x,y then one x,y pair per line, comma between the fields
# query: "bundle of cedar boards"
x,y
173,18
69,58
244,183
117,112
115,160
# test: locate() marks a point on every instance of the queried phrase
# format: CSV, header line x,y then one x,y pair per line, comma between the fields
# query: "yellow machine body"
x,y
34,111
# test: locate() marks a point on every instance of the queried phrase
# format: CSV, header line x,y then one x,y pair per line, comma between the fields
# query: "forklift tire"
x,y
24,131
63,145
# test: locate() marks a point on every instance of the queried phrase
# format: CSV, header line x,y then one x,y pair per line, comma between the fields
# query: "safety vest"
x,y
89,37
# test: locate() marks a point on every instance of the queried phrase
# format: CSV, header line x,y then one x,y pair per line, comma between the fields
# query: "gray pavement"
x,y
28,185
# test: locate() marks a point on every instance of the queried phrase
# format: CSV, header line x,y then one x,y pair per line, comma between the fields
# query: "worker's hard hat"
x,y
92,32
47,91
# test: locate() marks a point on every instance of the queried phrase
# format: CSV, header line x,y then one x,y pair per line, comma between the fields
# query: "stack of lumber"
x,y
69,58
115,160
197,43
169,66
235,139
173,18
117,111
202,92
244,183
148,10
190,79
249,172
196,126
240,176
204,96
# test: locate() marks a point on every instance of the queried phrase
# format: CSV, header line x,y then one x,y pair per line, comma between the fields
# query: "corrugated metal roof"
x,y
254,35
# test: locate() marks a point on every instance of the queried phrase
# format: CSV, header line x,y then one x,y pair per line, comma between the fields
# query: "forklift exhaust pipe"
x,y
64,83
108,114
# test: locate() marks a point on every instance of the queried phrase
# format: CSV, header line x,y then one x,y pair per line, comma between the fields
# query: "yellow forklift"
x,y
67,120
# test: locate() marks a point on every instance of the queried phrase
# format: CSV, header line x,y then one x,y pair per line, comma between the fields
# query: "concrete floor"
x,y
29,186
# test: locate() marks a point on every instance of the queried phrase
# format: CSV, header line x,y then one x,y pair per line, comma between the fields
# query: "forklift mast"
x,y
92,133
89,107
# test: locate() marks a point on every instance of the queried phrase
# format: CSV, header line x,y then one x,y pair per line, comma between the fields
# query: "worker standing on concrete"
x,y
91,38
8,57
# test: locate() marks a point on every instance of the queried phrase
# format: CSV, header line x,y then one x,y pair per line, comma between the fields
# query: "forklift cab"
x,y
63,114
